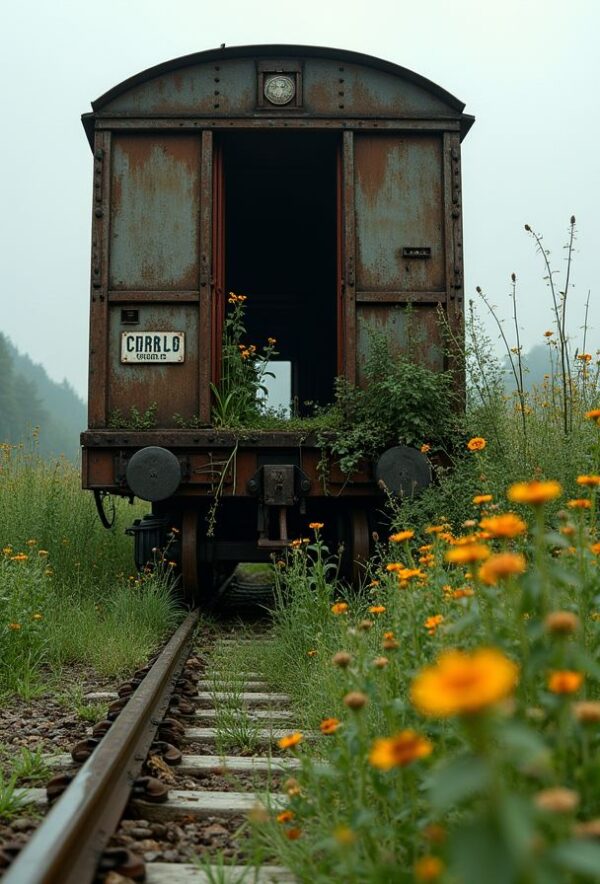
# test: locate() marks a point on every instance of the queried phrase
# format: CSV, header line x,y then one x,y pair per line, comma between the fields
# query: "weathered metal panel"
x,y
155,204
329,86
414,332
172,387
342,89
399,206
227,87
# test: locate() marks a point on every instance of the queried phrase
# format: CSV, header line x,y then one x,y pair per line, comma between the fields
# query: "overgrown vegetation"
x,y
68,594
400,402
457,695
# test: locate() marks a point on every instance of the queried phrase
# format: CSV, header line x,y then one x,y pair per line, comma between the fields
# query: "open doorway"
x,y
281,251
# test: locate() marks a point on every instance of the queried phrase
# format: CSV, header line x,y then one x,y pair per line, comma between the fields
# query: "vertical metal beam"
x,y
98,394
454,259
349,257
206,278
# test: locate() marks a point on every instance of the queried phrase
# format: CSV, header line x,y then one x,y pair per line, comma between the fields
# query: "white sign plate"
x,y
152,346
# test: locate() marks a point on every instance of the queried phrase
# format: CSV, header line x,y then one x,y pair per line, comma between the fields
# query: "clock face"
x,y
280,89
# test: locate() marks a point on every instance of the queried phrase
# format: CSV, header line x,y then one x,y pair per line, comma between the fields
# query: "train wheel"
x,y
190,576
361,544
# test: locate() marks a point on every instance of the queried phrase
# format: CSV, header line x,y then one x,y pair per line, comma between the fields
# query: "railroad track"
x,y
167,720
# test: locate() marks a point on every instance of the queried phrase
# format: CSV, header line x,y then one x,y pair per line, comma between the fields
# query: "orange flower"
x,y
477,443
588,480
329,725
377,609
432,623
463,593
463,555
435,529
593,415
579,503
339,608
584,357
401,535
548,334
409,573
394,566
20,557
316,526
286,816
271,341
482,498
504,525
398,751
500,566
311,653
595,548
428,868
290,740
565,681
462,682
535,493
14,626
425,448
293,834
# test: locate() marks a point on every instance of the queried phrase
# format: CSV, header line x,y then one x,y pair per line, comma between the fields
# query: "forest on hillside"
x,y
29,399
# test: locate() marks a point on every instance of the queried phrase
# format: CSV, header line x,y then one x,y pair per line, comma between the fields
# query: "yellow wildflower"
x,y
398,751
535,493
462,682
477,443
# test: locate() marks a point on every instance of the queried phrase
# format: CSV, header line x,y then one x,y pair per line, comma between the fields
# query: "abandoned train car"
x,y
324,184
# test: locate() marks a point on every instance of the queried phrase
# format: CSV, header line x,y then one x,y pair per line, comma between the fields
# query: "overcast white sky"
x,y
529,71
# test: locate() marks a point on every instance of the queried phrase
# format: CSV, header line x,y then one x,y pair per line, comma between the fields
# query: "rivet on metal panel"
x,y
99,213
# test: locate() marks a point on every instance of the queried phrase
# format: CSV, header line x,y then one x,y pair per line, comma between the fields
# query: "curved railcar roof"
x,y
107,102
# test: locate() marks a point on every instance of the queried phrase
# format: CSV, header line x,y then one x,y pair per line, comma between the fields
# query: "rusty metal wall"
x,y
399,204
173,387
155,205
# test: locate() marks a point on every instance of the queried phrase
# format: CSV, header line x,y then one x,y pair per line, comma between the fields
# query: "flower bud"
x,y
557,800
365,625
380,662
342,659
587,711
588,829
562,622
355,700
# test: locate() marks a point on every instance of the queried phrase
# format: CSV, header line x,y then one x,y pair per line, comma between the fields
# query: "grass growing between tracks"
x,y
67,590
457,696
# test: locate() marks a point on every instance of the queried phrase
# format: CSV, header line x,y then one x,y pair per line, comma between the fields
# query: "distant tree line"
x,y
29,399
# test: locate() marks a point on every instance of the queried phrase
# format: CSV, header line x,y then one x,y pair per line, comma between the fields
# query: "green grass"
x,y
69,591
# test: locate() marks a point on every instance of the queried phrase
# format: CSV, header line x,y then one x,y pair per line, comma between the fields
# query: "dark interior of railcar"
x,y
280,249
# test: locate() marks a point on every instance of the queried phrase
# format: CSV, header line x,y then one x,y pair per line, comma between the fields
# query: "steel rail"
x,y
68,845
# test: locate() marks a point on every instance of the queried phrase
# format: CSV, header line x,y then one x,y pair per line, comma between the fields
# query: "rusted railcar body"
x,y
324,184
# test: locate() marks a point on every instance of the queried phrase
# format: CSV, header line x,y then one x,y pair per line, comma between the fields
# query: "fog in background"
x,y
529,72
